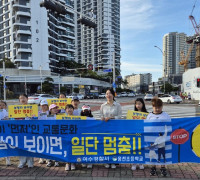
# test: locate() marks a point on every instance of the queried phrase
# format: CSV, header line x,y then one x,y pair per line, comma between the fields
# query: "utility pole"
x,y
41,78
4,80
114,85
163,54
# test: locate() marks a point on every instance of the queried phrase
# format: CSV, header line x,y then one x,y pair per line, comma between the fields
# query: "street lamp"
x,y
4,79
163,53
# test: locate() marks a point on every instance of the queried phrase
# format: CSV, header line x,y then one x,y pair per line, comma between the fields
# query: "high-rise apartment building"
x,y
33,37
173,44
98,46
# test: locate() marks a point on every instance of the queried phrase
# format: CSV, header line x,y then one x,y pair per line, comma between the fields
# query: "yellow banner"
x,y
136,115
65,117
61,103
22,111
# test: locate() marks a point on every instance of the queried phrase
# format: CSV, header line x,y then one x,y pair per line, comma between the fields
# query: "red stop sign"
x,y
179,136
90,67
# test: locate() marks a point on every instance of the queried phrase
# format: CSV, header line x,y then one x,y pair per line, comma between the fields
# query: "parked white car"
x,y
131,95
148,97
102,95
171,98
119,95
80,96
37,98
124,94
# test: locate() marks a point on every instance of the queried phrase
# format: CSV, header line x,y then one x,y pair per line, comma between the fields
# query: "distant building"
x,y
173,44
139,82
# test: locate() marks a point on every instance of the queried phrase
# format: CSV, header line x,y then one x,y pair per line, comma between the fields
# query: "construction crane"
x,y
195,39
184,59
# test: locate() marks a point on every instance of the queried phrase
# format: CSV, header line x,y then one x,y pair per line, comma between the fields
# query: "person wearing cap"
x,y
86,111
53,111
75,103
42,115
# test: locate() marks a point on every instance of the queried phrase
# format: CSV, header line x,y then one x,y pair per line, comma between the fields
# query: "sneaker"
x,y
30,166
107,166
8,161
163,171
41,161
133,168
56,164
20,166
67,167
49,164
84,165
73,167
153,171
141,166
113,166
89,166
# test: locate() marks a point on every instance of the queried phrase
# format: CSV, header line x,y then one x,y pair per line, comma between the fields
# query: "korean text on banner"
x,y
22,111
136,115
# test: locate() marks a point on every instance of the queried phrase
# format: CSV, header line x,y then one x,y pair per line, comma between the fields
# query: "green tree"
x,y
8,63
76,90
47,86
168,88
63,89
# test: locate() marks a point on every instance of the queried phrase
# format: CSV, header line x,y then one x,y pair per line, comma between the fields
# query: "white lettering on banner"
x,y
182,136
55,142
53,145
29,144
40,140
12,142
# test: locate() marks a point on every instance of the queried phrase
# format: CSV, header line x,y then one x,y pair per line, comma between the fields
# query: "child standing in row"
x,y
23,99
69,111
139,106
158,114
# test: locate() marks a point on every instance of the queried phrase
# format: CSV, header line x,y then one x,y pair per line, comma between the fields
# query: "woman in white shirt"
x,y
110,110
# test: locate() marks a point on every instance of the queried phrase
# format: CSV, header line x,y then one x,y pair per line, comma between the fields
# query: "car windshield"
x,y
149,95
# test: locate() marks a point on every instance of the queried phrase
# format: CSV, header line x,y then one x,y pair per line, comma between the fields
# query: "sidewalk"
x,y
41,172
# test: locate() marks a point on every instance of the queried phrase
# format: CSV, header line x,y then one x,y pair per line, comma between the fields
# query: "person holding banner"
x,y
69,111
53,111
110,110
23,99
62,96
4,116
75,102
42,115
86,111
139,106
159,115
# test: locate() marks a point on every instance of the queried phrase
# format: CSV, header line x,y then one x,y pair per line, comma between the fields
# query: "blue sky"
x,y
143,25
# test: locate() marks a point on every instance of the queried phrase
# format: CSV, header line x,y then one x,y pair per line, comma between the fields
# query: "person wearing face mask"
x,y
110,110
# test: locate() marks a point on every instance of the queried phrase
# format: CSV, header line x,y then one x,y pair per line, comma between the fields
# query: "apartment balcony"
x,y
24,68
24,50
28,32
18,41
21,13
17,5
18,23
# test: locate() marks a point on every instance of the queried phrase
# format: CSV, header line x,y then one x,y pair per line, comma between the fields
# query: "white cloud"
x,y
136,15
